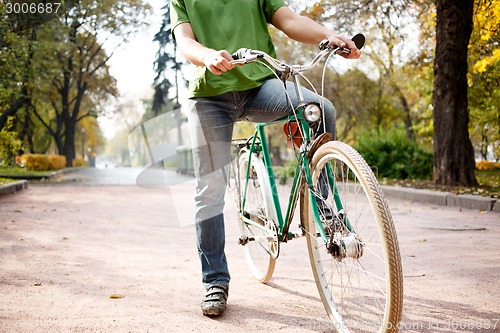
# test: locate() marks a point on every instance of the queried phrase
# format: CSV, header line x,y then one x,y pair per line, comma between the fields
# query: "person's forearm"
x,y
217,61
193,51
305,30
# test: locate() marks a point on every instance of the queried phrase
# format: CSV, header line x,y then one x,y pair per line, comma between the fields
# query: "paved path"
x,y
147,178
65,248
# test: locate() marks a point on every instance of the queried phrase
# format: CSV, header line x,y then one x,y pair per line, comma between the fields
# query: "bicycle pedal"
x,y
243,240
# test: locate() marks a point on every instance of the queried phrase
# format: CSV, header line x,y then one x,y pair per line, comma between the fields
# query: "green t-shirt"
x,y
228,25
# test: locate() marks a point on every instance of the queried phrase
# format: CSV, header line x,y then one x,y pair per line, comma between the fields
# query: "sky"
x,y
132,66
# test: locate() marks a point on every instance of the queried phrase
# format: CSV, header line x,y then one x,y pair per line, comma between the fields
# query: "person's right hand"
x,y
343,41
218,62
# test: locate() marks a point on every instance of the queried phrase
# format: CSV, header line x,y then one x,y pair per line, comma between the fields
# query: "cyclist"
x,y
221,93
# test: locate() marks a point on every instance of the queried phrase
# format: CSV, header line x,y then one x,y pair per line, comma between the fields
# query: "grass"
x,y
489,178
4,181
18,172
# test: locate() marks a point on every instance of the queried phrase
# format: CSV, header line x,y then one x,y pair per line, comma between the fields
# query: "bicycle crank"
x,y
269,240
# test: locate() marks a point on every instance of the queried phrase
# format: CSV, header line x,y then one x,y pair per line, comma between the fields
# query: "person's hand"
x,y
218,62
346,43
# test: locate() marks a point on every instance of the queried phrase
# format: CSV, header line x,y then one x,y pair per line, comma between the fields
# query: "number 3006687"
x,y
32,8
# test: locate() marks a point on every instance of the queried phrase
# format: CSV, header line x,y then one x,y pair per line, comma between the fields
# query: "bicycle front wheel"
x,y
259,233
353,246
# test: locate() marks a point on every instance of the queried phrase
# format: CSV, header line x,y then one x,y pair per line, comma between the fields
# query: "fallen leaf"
x,y
115,296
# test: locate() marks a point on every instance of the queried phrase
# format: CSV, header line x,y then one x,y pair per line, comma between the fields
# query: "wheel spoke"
x,y
260,252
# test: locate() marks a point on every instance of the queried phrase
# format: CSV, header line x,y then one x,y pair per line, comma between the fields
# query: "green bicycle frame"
x,y
302,172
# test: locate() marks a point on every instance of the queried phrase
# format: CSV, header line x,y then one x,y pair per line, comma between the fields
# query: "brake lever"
x,y
343,50
238,62
245,56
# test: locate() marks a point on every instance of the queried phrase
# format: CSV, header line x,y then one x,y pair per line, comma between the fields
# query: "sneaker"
x,y
215,300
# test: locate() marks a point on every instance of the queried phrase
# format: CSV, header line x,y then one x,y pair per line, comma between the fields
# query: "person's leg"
x,y
210,128
269,102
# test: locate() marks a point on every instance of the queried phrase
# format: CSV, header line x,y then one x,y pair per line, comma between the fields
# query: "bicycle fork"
x,y
340,238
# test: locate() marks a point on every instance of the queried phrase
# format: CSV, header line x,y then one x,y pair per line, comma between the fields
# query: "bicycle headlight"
x,y
312,113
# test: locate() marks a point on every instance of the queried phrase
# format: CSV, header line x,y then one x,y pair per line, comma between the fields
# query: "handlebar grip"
x,y
359,40
239,54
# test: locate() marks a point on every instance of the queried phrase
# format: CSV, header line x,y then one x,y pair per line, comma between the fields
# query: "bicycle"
x,y
350,233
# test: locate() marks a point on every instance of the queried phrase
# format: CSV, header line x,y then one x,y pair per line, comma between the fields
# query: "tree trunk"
x,y
69,143
453,153
19,103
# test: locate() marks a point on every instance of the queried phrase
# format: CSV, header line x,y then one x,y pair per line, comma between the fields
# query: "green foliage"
x,y
4,181
393,155
9,144
417,78
491,179
16,172
483,78
361,103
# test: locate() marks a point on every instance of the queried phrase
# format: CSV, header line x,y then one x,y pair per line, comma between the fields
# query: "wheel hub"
x,y
345,246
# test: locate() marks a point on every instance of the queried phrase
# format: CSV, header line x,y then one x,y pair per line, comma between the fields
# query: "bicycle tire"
x,y
359,294
260,251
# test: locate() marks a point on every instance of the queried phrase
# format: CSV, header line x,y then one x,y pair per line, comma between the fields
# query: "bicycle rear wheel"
x,y
260,236
355,257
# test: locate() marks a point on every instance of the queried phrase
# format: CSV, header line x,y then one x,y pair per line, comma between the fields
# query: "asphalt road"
x,y
66,247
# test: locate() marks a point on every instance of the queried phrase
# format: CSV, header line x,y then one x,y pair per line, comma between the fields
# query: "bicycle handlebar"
x,y
245,56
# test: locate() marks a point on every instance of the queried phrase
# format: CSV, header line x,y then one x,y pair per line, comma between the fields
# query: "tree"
x,y
77,85
79,71
14,67
91,140
484,79
166,65
167,69
65,77
388,25
454,156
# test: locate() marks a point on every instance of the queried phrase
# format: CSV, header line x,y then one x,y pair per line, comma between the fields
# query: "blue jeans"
x,y
211,121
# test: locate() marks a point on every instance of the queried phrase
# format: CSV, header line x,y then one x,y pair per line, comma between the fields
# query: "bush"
x,y
286,171
41,162
487,165
393,155
79,162
56,162
9,144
